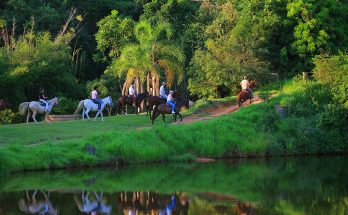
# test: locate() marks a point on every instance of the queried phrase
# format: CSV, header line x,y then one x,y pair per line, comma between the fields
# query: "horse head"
x,y
110,101
183,102
176,94
54,101
252,84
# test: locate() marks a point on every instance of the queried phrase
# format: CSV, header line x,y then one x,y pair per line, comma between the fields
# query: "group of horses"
x,y
155,105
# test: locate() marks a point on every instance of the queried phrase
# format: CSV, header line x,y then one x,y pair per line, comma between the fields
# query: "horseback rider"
x,y
43,98
162,93
245,86
132,93
170,101
96,98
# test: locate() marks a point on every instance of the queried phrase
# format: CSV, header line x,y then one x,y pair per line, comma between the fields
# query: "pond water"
x,y
311,185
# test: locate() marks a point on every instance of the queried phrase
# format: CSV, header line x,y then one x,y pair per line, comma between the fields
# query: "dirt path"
x,y
216,111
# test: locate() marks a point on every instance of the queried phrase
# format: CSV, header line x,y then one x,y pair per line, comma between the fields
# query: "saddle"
x,y
94,101
43,104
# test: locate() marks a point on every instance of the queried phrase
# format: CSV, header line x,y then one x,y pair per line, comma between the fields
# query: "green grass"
x,y
55,132
256,130
159,143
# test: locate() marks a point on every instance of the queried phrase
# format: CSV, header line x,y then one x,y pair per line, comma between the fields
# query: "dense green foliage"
x,y
37,61
210,45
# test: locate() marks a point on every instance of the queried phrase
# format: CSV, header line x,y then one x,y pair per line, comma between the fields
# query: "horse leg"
x,y
28,115
87,110
154,116
180,116
34,116
174,117
147,110
46,117
101,113
95,118
83,113
164,117
135,109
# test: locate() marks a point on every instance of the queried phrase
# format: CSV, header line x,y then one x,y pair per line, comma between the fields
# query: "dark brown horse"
x,y
165,109
244,95
124,101
153,101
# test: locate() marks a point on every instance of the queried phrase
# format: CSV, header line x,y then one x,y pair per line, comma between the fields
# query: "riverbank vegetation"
x,y
257,130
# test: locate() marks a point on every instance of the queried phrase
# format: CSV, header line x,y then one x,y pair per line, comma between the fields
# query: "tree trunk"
x,y
148,82
157,86
154,85
137,84
125,87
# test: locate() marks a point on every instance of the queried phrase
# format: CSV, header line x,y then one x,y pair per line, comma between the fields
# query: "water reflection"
x,y
31,205
277,186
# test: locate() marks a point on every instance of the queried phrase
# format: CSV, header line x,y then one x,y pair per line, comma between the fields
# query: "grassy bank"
x,y
256,130
56,132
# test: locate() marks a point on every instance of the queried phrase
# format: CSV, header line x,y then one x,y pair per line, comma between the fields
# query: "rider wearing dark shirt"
x,y
43,98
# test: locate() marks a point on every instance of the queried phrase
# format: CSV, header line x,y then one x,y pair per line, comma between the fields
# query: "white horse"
x,y
34,107
88,105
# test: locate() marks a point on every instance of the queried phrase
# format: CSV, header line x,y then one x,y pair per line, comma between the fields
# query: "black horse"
x,y
124,101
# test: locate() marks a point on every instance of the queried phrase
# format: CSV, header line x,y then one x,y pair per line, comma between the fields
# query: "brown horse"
x,y
165,109
124,101
153,101
244,95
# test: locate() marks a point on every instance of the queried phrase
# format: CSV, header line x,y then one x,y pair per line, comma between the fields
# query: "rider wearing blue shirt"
x,y
170,101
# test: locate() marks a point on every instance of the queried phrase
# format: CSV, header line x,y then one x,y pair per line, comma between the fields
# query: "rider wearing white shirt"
x,y
245,86
170,101
132,92
162,93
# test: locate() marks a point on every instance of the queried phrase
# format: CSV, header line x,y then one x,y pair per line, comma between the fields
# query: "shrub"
x,y
66,106
7,116
305,98
333,72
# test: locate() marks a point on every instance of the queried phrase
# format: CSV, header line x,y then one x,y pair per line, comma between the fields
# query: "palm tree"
x,y
152,56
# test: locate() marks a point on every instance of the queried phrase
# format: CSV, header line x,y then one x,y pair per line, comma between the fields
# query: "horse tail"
x,y
117,106
155,113
239,99
79,107
23,108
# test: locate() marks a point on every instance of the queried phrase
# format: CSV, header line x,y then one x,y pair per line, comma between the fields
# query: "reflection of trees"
x,y
309,186
152,202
